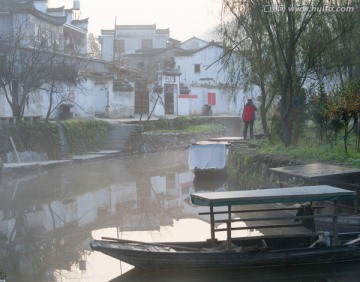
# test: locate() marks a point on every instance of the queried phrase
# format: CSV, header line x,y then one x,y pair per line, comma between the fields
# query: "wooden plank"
x,y
261,210
261,227
14,147
227,139
353,241
315,171
275,218
125,241
272,196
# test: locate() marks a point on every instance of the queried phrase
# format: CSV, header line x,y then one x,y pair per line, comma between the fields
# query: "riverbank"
x,y
155,135
257,168
21,167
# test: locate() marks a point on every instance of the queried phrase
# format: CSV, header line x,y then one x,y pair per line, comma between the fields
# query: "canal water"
x,y
47,219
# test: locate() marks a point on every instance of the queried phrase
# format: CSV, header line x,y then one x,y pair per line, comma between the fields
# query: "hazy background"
x,y
185,18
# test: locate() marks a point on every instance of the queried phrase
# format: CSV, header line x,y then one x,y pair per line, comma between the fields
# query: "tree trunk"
x,y
263,113
51,101
286,131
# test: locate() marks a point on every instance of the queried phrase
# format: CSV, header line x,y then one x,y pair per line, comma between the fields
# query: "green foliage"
x,y
343,106
176,124
308,150
39,137
211,127
45,137
186,122
247,170
282,52
201,128
84,136
163,123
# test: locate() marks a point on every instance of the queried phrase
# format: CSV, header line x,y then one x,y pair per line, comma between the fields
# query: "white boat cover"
x,y
210,156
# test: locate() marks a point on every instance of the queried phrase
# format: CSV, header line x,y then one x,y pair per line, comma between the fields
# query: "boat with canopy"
x,y
254,251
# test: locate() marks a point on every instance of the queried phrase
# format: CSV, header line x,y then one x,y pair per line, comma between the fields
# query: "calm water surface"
x,y
48,218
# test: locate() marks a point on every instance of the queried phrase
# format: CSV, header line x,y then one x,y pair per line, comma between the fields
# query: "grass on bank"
x,y
310,149
199,128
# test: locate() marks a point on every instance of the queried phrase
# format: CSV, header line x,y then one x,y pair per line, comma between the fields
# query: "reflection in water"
x,y
48,218
206,184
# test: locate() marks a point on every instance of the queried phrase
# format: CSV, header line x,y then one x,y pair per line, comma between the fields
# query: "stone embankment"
x,y
155,142
138,140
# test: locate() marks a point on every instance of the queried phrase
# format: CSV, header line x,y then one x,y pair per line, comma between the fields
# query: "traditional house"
x,y
104,89
175,78
144,47
142,69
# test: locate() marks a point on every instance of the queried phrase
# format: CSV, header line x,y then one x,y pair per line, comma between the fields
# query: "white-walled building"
x,y
192,84
105,90
131,38
203,75
142,69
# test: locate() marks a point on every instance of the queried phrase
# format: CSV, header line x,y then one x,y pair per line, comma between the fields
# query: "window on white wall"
x,y
56,41
197,68
120,46
146,44
37,34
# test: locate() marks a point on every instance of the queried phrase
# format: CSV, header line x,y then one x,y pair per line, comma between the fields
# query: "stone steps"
x,y
118,137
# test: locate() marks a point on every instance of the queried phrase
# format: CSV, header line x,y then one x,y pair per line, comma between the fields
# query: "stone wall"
x,y
155,142
234,123
145,140
249,169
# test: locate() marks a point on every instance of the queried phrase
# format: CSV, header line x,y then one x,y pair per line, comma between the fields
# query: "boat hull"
x,y
253,257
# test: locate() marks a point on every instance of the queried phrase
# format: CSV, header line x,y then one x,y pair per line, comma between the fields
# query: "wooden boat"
x,y
208,160
247,252
324,272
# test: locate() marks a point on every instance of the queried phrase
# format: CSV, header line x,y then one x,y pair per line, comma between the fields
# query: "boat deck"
x,y
301,194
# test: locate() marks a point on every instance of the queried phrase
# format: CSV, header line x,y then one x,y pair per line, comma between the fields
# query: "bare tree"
x,y
64,73
93,47
148,83
30,64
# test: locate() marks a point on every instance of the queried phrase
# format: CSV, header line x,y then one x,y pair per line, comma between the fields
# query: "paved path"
x,y
10,168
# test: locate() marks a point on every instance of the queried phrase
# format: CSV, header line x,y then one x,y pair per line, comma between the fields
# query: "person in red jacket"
x,y
249,118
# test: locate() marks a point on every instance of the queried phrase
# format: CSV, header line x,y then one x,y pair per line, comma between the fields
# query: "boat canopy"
x,y
207,156
272,196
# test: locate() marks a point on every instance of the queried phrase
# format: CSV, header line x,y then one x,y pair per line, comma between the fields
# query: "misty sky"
x,y
185,18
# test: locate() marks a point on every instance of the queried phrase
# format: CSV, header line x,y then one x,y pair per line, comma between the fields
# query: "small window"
x,y
146,43
197,68
120,46
57,39
37,34
45,38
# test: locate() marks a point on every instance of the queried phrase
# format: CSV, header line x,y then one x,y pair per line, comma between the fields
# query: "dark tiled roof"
x,y
18,6
162,31
194,37
183,52
81,21
107,32
135,27
52,10
172,40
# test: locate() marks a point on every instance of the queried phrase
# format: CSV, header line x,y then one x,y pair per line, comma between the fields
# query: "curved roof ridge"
x,y
56,9
29,7
82,20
